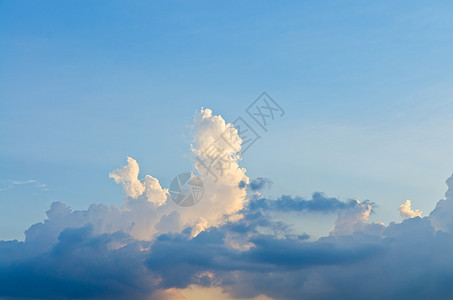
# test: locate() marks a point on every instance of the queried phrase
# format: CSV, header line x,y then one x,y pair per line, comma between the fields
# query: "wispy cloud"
x,y
15,182
10,184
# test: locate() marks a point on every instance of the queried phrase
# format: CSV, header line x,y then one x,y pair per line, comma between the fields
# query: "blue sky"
x,y
366,87
93,91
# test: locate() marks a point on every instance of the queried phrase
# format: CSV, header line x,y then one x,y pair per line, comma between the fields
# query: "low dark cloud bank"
x,y
67,256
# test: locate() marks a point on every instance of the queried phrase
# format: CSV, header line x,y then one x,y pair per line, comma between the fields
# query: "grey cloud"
x,y
80,265
260,183
319,203
71,255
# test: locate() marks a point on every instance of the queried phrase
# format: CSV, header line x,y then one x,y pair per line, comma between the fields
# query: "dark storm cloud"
x,y
248,257
80,265
410,261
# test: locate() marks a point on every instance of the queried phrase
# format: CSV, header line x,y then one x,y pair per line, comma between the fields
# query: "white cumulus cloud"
x,y
406,211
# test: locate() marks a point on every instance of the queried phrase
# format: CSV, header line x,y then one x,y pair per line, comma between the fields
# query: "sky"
x,y
88,87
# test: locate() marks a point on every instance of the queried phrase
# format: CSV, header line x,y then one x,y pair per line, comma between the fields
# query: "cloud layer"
x,y
229,244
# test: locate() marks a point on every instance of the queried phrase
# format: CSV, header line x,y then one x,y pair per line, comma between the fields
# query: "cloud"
x,y
217,162
355,219
80,265
400,261
148,187
318,203
11,184
128,176
146,210
227,245
403,260
406,211
441,215
260,183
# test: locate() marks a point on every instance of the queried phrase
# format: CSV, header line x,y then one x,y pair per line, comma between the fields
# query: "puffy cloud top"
x,y
149,187
407,212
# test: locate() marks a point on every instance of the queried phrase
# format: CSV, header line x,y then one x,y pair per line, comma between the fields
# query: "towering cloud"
x,y
216,146
228,245
441,216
